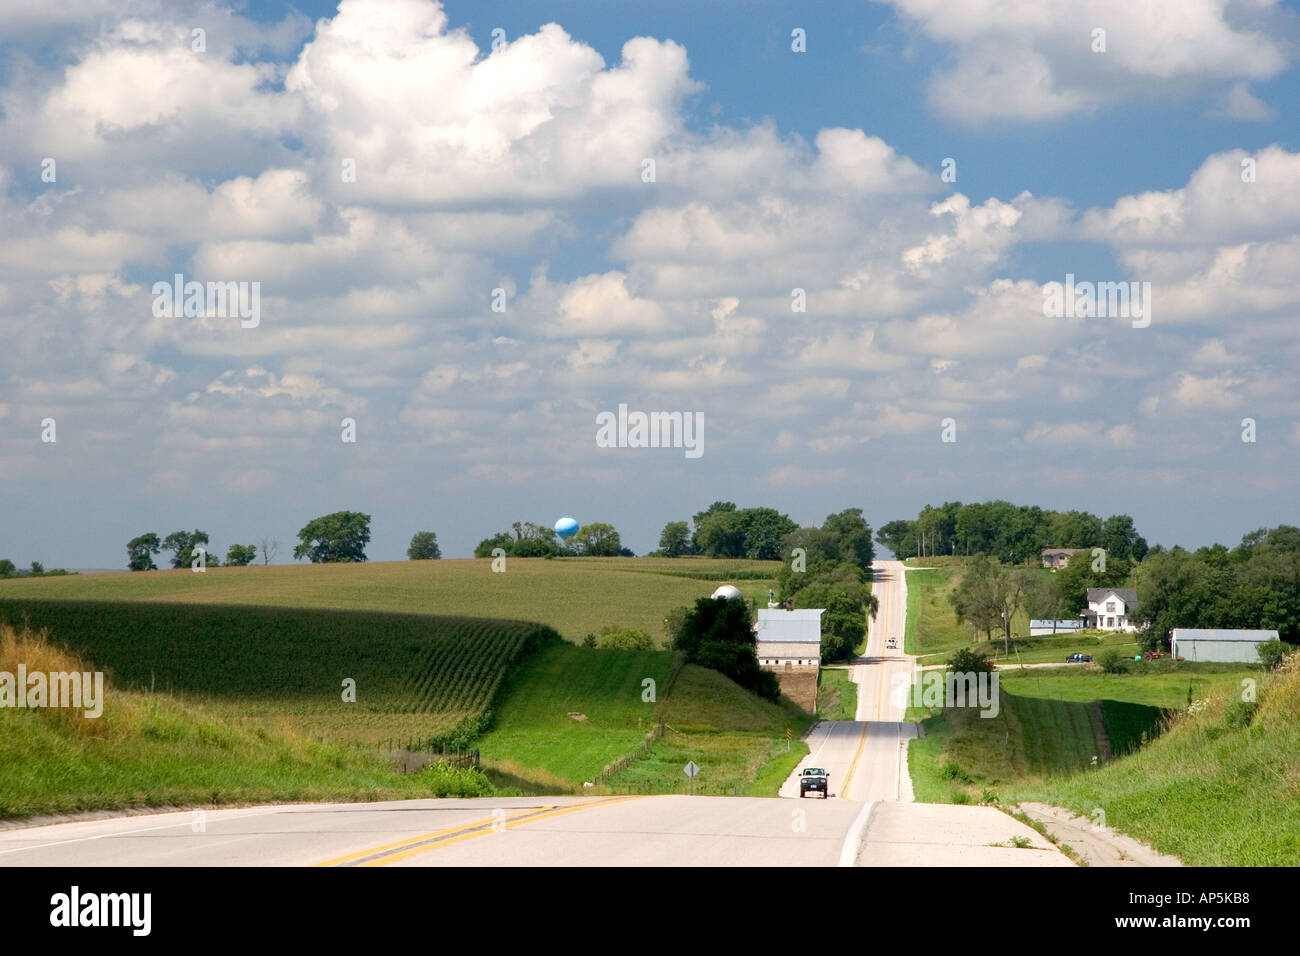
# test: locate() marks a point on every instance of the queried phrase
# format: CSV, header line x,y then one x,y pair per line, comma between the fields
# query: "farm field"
x,y
576,596
417,678
152,750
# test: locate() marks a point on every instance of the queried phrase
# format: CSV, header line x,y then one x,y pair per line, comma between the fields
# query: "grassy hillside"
x,y
576,596
737,739
1220,788
152,750
417,678
837,696
536,738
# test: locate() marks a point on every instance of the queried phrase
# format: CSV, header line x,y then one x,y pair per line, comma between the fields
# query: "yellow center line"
x,y
848,777
880,688
462,836
397,845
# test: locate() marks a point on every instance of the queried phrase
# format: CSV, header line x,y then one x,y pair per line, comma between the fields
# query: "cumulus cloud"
x,y
1024,60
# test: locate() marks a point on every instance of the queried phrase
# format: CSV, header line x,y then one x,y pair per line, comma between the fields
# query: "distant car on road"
x,y
814,778
1079,659
891,644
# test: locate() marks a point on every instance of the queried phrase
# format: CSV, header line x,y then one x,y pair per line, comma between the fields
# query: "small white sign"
x,y
691,769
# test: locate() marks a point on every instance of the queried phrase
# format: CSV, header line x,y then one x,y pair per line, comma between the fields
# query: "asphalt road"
x,y
866,758
868,820
527,831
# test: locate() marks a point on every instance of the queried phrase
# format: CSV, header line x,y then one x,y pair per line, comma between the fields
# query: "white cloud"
x,y
1029,60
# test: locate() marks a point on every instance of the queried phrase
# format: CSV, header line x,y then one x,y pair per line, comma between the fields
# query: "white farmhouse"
x,y
1111,609
1218,644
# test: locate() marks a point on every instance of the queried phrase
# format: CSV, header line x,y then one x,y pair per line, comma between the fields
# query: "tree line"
x,y
1011,533
526,539
37,570
1255,585
337,538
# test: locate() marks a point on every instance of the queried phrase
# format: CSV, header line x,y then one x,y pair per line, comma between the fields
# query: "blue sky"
x,y
520,169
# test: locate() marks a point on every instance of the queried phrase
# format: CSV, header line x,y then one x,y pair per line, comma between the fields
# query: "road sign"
x,y
691,769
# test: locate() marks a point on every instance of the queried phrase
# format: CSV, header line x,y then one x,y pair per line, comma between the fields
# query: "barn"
x,y
1219,644
789,645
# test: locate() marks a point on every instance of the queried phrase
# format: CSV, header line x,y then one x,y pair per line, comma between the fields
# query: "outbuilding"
x,y
789,645
1219,644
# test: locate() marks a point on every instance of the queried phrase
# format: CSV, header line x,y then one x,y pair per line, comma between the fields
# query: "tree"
x,y
340,537
717,633
488,545
140,552
270,547
598,539
183,545
1120,538
675,540
763,530
241,555
1044,600
989,595
899,537
718,507
853,534
37,568
7,568
1073,580
424,547
721,535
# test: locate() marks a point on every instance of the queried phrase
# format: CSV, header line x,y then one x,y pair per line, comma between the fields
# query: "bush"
x,y
624,638
1272,653
1112,663
966,661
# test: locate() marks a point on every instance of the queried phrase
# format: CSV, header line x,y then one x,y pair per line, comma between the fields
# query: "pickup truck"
x,y
814,778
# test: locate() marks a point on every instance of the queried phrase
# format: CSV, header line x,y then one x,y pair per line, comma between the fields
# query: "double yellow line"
x,y
411,846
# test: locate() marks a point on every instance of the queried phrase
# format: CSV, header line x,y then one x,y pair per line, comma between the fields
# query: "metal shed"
x,y
1219,644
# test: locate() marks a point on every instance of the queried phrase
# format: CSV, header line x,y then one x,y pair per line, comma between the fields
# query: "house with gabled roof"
x,y
1110,609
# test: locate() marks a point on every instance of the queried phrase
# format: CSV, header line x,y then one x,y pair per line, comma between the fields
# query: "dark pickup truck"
x,y
814,778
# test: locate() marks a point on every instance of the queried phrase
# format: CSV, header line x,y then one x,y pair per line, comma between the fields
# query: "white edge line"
x,y
115,833
853,840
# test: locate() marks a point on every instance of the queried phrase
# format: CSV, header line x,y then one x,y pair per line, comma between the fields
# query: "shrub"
x,y
624,638
967,661
1272,653
1112,663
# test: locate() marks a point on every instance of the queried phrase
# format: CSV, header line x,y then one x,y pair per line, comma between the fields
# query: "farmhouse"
x,y
789,645
1056,558
1110,609
1218,644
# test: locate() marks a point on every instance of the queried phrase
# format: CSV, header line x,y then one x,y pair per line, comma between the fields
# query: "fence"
x,y
679,661
410,757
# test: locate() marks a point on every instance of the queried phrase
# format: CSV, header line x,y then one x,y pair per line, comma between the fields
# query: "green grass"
x,y
267,650
1220,788
1054,723
576,596
734,736
534,736
152,750
837,696
1162,683
280,669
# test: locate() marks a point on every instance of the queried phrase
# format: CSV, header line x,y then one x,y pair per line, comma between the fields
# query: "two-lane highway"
x,y
867,757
